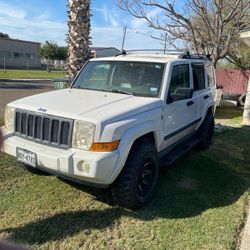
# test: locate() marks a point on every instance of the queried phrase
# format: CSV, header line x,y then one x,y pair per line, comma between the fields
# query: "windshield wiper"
x,y
121,91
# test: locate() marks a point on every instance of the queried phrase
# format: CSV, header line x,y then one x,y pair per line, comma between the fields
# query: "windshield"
x,y
135,78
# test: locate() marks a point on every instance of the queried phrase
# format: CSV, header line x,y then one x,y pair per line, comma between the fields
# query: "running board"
x,y
179,151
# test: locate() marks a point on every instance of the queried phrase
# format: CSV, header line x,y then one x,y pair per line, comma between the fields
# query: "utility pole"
x,y
124,36
4,62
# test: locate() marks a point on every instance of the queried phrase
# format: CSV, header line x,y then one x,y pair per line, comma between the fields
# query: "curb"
x,y
245,240
27,80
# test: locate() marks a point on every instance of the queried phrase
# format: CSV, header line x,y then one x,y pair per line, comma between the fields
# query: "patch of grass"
x,y
30,74
228,112
199,204
236,120
229,115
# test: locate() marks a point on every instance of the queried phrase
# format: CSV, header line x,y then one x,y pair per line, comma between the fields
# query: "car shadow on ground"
x,y
199,181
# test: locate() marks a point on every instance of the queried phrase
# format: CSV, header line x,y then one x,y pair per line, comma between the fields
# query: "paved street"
x,y
13,90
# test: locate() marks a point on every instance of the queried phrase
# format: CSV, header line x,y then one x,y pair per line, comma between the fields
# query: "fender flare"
x,y
210,108
127,141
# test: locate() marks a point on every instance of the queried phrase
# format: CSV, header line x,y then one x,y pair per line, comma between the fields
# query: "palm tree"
x,y
78,35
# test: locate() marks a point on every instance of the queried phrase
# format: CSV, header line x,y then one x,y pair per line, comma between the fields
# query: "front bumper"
x,y
98,169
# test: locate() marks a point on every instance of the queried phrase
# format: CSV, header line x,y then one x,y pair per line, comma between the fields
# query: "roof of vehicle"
x,y
154,57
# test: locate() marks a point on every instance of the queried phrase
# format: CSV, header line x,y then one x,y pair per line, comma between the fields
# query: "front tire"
x,y
136,183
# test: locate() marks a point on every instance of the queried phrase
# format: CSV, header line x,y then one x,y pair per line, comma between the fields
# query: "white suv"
x,y
120,120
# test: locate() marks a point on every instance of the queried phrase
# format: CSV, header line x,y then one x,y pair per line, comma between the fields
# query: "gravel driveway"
x,y
13,91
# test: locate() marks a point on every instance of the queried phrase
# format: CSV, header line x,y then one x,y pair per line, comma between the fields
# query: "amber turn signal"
x,y
105,146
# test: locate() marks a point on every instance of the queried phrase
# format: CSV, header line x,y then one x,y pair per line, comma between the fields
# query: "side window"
x,y
210,74
179,88
198,77
180,78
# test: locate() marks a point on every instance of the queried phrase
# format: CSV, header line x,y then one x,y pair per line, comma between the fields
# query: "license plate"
x,y
26,157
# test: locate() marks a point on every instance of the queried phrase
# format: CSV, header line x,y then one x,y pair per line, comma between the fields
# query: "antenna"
x,y
124,36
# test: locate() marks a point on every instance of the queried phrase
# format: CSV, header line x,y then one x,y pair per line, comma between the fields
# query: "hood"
x,y
87,105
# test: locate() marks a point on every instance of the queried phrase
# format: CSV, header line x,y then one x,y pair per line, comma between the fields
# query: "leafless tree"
x,y
239,56
201,26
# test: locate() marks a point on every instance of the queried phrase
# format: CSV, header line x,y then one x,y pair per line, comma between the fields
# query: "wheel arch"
x,y
150,137
130,139
208,111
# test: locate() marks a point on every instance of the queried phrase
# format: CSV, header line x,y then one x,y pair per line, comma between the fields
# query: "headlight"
x,y
9,118
83,135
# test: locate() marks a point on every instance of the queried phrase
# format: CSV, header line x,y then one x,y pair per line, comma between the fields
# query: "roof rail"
x,y
187,55
181,55
124,52
154,50
121,53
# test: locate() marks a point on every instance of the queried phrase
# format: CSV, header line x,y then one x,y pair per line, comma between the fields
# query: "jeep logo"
x,y
42,110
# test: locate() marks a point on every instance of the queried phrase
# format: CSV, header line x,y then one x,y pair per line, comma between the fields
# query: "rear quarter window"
x,y
199,77
210,74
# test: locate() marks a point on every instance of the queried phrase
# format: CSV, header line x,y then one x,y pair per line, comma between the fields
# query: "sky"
x,y
41,20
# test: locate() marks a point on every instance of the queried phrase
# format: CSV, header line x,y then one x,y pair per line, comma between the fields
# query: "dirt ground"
x,y
8,95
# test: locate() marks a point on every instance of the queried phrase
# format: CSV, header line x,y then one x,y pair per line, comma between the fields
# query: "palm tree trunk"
x,y
78,35
246,113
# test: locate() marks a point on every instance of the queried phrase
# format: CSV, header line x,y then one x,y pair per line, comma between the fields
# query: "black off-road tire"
x,y
206,132
135,185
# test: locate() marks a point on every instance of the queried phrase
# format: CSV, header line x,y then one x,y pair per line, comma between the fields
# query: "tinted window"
x,y
179,78
18,55
198,77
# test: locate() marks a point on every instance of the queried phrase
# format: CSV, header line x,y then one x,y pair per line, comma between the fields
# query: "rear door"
x,y
179,114
201,91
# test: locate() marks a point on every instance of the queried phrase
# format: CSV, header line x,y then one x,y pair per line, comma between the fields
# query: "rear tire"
x,y
206,132
136,184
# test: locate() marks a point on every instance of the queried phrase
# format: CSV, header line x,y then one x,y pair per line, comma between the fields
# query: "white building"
x,y
16,53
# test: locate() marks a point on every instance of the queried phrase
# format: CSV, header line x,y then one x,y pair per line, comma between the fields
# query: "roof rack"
x,y
125,52
121,53
181,55
187,55
155,50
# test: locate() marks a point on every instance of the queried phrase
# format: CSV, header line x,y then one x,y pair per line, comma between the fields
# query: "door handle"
x,y
206,96
190,103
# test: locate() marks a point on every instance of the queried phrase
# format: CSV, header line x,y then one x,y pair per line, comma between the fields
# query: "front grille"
x,y
44,129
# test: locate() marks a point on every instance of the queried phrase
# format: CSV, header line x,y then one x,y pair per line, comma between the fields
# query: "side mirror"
x,y
180,94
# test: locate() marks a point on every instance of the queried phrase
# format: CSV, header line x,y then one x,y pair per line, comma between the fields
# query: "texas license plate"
x,y
26,157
